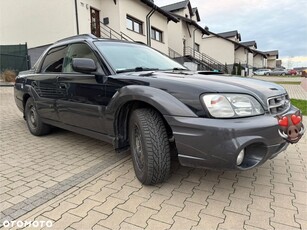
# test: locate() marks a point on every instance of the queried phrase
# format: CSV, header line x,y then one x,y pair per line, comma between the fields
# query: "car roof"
x,y
86,37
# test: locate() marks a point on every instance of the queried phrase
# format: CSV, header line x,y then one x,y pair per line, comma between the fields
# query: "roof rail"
x,y
84,36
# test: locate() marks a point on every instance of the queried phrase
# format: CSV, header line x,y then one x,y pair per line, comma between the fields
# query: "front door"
x,y
95,22
82,107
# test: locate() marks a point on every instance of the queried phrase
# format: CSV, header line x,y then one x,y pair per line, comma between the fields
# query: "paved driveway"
x,y
80,183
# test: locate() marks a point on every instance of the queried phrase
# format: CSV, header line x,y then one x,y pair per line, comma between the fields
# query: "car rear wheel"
x,y
150,146
283,74
267,74
34,122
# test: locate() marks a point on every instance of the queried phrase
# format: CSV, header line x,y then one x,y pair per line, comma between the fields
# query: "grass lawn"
x,y
287,82
301,104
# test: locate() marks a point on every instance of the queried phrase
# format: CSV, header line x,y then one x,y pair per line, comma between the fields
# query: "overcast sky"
x,y
279,24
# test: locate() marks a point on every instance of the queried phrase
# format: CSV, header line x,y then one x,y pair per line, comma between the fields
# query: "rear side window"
x,y
54,59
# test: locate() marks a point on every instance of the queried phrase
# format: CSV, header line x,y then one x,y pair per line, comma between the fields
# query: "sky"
x,y
275,25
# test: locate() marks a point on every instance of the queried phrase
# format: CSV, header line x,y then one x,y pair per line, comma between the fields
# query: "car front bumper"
x,y
216,143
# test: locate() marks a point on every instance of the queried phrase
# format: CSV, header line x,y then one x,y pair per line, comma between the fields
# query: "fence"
x,y
14,57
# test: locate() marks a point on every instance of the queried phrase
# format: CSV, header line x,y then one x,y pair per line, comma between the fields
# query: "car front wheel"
x,y
34,122
149,145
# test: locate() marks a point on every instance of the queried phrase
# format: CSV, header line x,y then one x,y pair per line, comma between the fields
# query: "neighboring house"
x,y
171,29
219,48
225,48
272,57
242,53
233,35
259,58
279,64
186,35
40,23
140,20
185,38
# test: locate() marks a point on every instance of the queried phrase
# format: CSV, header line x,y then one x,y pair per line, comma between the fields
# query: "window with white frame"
x,y
134,25
156,34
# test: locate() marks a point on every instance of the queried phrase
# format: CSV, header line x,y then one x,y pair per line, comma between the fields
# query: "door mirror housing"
x,y
84,65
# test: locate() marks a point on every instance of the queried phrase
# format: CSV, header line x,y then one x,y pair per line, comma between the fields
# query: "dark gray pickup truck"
x,y
134,97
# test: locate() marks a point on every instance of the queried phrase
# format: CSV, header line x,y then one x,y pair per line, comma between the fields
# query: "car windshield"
x,y
131,57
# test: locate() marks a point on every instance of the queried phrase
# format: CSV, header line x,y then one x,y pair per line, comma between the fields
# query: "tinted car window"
x,y
78,50
54,60
125,56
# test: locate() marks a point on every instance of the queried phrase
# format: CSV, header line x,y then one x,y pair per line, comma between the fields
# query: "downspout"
x,y
247,67
77,18
148,27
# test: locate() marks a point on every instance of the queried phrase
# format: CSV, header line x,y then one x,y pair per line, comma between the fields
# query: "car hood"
x,y
261,90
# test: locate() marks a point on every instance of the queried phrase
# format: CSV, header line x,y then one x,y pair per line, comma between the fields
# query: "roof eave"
x,y
161,11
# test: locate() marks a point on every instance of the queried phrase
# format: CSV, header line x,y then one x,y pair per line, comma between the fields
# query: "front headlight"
x,y
232,105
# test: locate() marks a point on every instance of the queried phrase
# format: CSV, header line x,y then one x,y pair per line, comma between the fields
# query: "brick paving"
x,y
81,183
295,91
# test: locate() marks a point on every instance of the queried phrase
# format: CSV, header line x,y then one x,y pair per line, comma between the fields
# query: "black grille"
x,y
278,104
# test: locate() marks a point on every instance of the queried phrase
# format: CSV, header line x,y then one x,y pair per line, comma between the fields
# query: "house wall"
x,y
241,56
271,62
175,38
219,49
84,14
111,11
36,22
139,11
182,31
250,59
259,61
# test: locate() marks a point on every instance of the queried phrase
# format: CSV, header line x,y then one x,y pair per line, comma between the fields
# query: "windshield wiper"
x,y
136,69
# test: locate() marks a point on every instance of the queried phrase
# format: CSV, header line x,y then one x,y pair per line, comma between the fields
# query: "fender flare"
x,y
164,102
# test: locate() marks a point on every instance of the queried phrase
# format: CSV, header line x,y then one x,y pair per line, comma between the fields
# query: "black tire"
x,y
267,74
34,122
149,146
283,74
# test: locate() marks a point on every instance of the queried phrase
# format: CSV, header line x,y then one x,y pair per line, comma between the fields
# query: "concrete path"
x,y
295,91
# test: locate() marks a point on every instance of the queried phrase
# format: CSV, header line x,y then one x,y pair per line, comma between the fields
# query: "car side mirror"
x,y
84,65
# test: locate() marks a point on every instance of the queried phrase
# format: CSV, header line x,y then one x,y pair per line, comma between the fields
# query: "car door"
x,y
83,105
44,83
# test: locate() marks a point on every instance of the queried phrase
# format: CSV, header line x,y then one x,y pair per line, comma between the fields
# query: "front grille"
x,y
278,104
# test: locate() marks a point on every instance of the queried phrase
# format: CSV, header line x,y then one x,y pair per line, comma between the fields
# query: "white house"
x,y
259,58
39,23
186,35
219,48
171,29
233,35
227,48
272,57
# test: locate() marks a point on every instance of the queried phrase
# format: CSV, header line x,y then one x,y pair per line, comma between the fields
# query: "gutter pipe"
x,y
77,18
148,27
